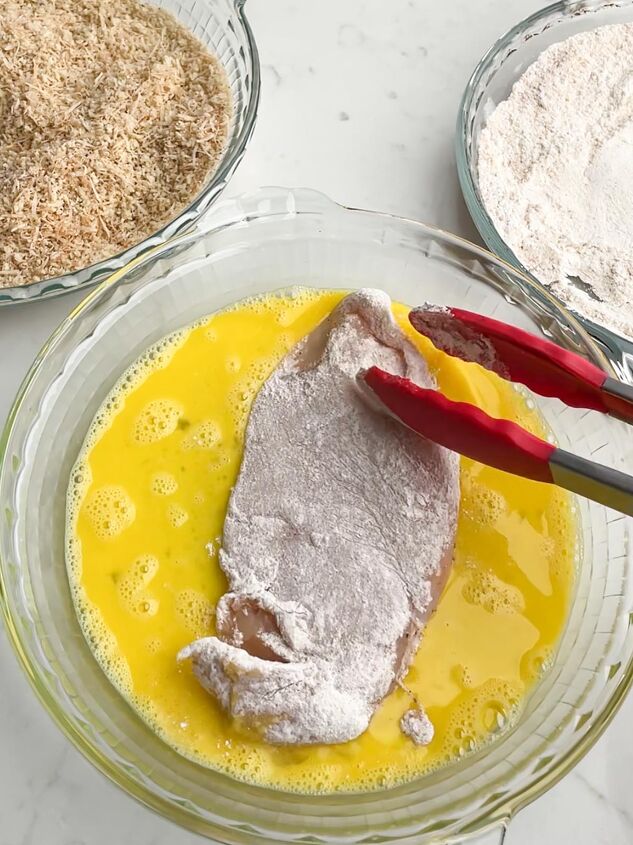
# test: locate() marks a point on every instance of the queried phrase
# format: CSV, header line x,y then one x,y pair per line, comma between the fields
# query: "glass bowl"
x,y
491,83
273,239
223,28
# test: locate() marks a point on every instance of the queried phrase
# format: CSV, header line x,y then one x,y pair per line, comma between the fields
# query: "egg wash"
x,y
146,506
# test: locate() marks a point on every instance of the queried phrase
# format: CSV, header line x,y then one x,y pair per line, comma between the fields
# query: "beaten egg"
x,y
146,506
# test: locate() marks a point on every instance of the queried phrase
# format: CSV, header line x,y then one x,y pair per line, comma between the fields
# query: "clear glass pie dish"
x,y
491,83
269,240
221,26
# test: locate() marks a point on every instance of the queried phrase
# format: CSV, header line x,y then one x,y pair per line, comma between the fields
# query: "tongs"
x,y
517,356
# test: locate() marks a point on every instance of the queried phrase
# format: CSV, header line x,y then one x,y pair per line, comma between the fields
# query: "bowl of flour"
x,y
545,160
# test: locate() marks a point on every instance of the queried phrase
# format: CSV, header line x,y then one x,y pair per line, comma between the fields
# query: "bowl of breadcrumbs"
x,y
121,121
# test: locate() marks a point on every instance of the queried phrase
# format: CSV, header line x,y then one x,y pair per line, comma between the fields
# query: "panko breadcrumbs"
x,y
112,116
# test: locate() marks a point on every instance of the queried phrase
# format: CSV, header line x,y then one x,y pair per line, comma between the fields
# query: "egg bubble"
x,y
482,504
221,460
80,481
110,511
177,515
487,710
156,357
204,435
132,586
147,607
163,484
537,662
158,419
242,393
105,648
195,612
211,332
291,311
154,645
487,590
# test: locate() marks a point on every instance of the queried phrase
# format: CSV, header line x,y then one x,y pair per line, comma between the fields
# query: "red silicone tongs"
x,y
518,356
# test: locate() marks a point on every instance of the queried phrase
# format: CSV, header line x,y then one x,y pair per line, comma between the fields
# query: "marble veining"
x,y
359,100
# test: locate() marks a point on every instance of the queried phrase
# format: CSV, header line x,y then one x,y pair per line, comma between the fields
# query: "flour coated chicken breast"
x,y
337,542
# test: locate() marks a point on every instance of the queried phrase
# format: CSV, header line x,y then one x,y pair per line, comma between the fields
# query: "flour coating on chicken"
x,y
337,541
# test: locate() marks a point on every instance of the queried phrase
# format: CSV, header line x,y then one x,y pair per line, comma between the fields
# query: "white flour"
x,y
337,541
556,173
417,726
454,337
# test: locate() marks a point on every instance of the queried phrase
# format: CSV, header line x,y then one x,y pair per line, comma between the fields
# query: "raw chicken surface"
x,y
337,541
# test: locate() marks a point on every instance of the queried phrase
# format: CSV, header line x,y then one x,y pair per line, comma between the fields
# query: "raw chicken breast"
x,y
337,542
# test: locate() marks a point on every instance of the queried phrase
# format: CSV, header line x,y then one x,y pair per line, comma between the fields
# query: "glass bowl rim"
x,y
240,210
184,220
616,344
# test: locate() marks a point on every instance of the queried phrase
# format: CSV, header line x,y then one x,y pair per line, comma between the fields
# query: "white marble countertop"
x,y
359,100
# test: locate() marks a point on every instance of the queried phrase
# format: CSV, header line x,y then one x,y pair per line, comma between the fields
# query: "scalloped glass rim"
x,y
255,814
185,221
618,348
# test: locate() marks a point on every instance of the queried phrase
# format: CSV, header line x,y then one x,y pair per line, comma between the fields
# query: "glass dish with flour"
x,y
545,157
